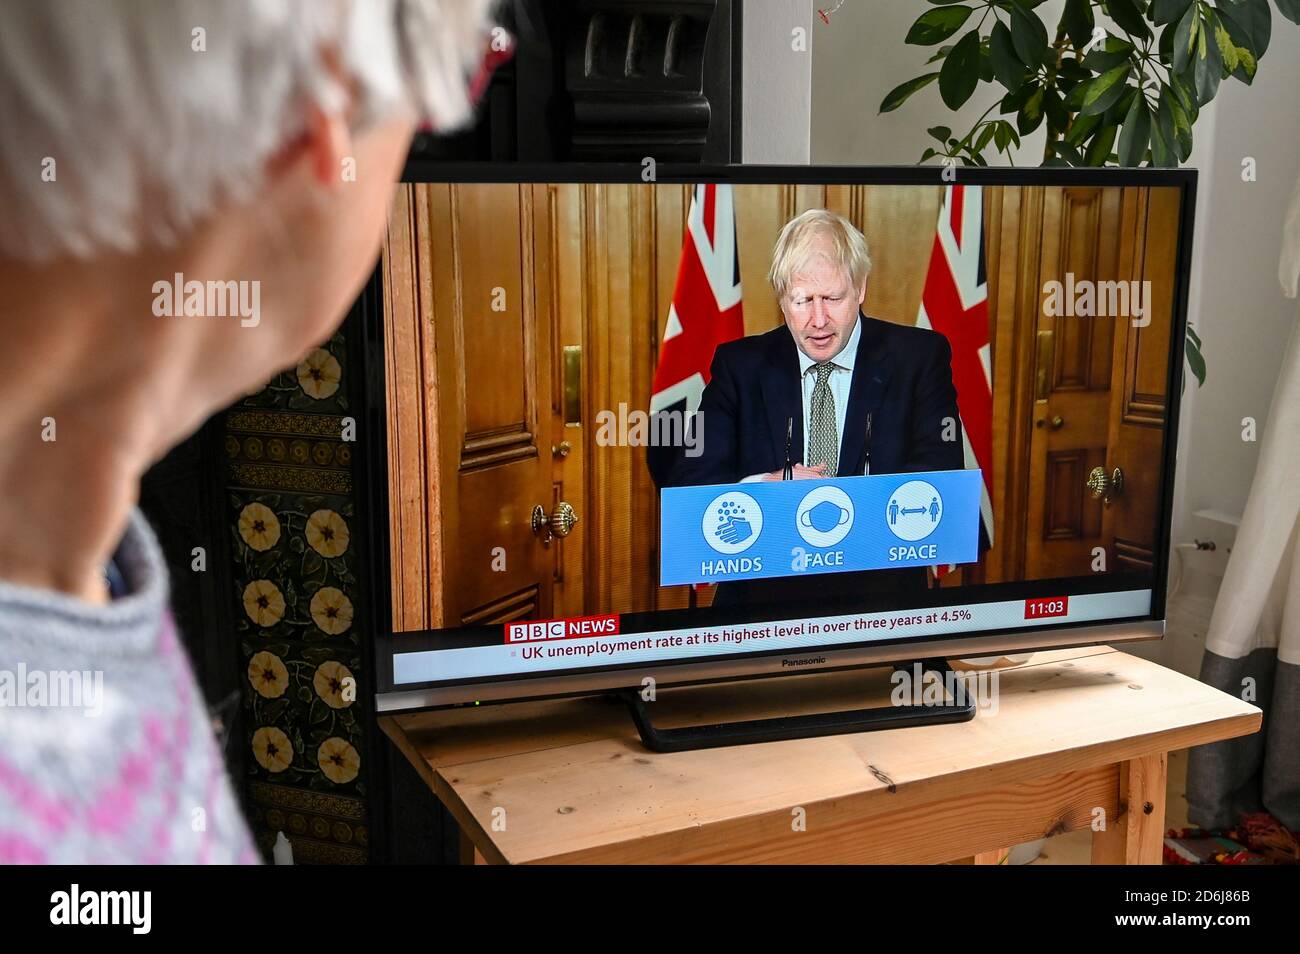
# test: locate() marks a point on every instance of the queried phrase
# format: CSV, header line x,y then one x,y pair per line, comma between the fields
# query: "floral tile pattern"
x,y
296,583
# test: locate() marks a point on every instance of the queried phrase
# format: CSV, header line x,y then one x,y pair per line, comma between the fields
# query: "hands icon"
x,y
732,526
732,523
734,530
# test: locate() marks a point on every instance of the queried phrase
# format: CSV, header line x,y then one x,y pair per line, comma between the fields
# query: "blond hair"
x,y
794,248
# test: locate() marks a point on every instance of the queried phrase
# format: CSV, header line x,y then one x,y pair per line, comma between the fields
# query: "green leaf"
x,y
1078,20
1068,153
960,73
1165,48
941,133
1182,126
1163,139
1071,72
1169,11
1030,115
1130,19
1105,89
1185,94
1007,68
935,26
1028,35
986,133
1208,69
899,94
1082,128
939,54
1289,9
1185,36
1011,131
1100,61
1016,98
1249,23
1136,135
929,153
1100,148
1227,49
1195,359
1058,117
985,62
942,3
1001,135
1244,59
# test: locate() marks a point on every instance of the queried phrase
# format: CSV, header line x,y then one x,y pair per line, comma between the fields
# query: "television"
x,y
679,424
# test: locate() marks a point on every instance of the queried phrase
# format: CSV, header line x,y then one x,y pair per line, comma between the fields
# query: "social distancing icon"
x,y
914,510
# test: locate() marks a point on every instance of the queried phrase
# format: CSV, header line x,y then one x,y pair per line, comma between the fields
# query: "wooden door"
x,y
1098,381
470,417
1139,410
1072,378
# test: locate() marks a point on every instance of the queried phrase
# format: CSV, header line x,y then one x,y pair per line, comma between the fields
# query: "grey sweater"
x,y
106,751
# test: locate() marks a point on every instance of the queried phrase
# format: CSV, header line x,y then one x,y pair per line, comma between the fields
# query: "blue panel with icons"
x,y
761,530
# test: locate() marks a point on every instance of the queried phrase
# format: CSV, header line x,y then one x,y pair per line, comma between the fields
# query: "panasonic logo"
x,y
806,661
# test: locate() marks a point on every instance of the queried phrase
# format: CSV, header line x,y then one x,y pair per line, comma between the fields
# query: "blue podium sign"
x,y
761,530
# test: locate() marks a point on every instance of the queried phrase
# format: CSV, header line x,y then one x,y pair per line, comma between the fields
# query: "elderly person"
x,y
249,144
839,392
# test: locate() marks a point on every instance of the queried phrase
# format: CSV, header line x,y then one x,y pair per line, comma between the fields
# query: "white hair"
x,y
127,121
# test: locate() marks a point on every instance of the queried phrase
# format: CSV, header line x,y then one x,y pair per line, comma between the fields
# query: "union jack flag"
x,y
705,312
955,303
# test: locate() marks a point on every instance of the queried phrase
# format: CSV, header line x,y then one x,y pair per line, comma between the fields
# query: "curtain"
x,y
1253,643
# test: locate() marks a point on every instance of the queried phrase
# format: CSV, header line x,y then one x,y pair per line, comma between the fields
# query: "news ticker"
x,y
555,645
766,529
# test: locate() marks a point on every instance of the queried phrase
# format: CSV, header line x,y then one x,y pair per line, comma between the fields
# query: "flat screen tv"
x,y
681,424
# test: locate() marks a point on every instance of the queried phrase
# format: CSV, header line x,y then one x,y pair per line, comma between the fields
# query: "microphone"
x,y
788,472
867,466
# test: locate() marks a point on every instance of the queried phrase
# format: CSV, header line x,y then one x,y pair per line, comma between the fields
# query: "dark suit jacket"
x,y
902,378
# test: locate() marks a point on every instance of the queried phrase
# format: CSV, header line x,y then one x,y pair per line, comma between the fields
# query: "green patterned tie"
x,y
823,436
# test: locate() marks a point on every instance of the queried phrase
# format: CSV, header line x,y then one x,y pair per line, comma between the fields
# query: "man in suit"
x,y
835,392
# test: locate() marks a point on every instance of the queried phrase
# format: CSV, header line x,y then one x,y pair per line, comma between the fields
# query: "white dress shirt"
x,y
841,380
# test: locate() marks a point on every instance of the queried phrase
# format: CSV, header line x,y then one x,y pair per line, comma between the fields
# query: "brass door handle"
x,y
1106,487
557,524
561,450
1057,422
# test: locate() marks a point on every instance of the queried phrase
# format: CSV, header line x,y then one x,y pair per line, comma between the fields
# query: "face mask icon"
x,y
824,517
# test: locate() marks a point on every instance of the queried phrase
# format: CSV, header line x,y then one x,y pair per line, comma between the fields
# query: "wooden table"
x,y
1075,730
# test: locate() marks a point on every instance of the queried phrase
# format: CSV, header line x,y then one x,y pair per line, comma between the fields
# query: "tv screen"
x,y
702,423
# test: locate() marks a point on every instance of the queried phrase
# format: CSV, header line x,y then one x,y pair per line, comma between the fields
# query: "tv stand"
x,y
959,707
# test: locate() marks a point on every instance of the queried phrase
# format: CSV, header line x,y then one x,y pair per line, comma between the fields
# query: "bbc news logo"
x,y
577,628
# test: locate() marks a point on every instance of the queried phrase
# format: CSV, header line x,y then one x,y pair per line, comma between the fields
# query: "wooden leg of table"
x,y
1137,836
469,854
997,856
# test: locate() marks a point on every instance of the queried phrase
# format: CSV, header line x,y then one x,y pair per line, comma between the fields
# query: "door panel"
x,y
469,407
1072,380
1139,412
494,417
